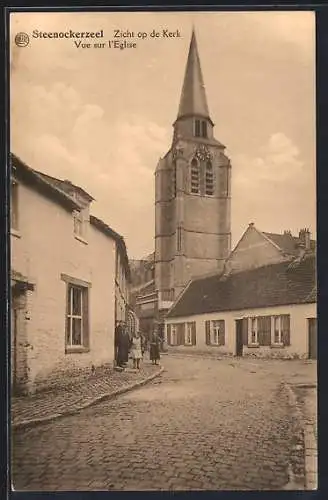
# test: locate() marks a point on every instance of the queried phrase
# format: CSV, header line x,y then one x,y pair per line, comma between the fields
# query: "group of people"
x,y
135,346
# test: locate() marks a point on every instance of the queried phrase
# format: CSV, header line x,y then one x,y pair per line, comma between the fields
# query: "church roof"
x,y
193,97
267,286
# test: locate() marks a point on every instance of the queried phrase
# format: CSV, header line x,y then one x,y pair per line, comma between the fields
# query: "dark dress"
x,y
154,347
118,331
122,342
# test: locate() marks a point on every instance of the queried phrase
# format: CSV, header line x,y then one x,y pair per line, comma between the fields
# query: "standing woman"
x,y
136,350
154,347
124,345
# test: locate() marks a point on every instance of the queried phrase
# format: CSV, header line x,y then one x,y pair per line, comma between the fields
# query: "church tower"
x,y
192,193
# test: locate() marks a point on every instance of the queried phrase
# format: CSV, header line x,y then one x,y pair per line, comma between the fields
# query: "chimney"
x,y
305,238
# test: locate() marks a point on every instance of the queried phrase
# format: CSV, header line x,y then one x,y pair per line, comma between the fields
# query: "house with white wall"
x,y
262,304
68,269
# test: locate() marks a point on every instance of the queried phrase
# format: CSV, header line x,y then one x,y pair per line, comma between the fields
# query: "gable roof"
x,y
108,231
38,182
65,185
287,242
267,286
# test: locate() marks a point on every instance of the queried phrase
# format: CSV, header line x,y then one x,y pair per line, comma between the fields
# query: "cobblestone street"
x,y
204,424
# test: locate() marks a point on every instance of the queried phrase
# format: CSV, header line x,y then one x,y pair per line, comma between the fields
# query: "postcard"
x,y
163,251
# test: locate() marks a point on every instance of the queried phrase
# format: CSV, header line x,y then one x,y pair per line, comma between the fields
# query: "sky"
x,y
102,117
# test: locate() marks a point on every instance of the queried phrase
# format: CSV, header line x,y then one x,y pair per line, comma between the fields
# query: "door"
x,y
312,333
239,337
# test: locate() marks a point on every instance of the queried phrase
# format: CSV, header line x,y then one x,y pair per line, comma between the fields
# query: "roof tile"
x,y
271,285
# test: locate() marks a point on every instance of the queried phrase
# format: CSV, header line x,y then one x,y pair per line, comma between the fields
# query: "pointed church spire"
x,y
193,98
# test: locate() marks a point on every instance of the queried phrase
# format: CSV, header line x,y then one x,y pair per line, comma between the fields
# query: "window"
x,y
277,330
78,224
204,129
197,128
269,330
77,316
195,176
215,332
209,180
253,331
14,206
181,334
281,330
188,334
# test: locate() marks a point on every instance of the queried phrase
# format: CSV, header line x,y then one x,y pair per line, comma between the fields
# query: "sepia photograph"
x,y
163,289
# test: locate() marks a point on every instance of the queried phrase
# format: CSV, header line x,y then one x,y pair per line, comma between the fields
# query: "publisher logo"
x,y
22,39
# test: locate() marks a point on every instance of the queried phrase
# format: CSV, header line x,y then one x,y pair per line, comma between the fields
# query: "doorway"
x,y
312,338
239,337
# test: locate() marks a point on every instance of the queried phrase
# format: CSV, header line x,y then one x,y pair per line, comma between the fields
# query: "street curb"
x,y
110,395
310,442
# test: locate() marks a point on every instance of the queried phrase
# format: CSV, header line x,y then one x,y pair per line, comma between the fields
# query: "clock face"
x,y
202,153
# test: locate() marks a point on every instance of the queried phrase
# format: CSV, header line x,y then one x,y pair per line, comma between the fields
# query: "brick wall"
x,y
45,249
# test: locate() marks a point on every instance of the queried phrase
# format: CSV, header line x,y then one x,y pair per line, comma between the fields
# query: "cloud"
x,y
279,163
267,189
113,159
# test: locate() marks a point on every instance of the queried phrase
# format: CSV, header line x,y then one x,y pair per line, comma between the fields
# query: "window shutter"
x,y
221,333
193,333
264,330
168,334
245,331
181,336
208,332
285,329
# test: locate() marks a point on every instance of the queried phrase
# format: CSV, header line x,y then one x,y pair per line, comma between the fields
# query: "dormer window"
x,y
79,224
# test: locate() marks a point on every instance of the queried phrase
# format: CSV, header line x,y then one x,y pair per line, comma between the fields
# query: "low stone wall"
x,y
249,352
272,353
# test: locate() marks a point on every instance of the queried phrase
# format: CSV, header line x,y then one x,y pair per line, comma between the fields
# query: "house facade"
x,y
263,304
64,277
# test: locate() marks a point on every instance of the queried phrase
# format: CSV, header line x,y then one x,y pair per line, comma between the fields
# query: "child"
x,y
136,350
